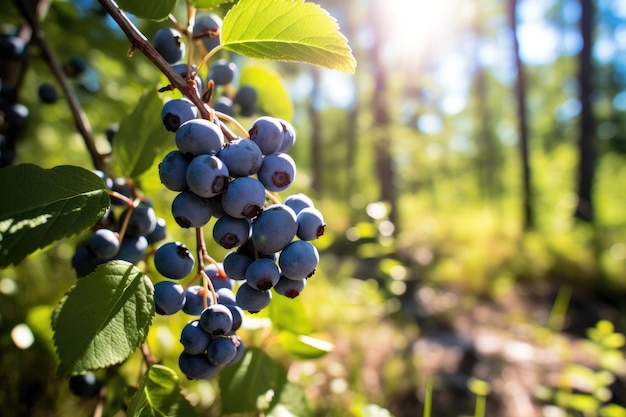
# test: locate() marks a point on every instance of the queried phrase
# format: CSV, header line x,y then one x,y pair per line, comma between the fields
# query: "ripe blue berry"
x,y
168,44
173,171
199,137
235,265
267,132
310,224
253,300
207,176
298,201
290,287
244,198
173,260
243,157
197,366
298,260
277,171
190,210
262,274
176,112
222,350
104,243
274,228
216,319
169,297
229,231
194,300
194,339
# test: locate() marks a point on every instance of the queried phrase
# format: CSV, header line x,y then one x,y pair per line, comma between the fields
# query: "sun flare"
x,y
412,27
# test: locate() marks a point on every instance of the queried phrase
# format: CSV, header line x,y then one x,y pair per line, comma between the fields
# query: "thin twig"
x,y
80,118
139,41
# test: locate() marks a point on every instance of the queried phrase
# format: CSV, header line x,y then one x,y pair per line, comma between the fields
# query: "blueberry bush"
x,y
223,155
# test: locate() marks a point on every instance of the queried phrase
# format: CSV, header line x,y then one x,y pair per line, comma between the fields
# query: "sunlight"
x,y
412,27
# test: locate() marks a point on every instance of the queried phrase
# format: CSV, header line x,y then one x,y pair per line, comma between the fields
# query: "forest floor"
x,y
536,361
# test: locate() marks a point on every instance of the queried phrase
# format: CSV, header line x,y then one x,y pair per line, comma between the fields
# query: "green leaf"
x,y
209,4
286,30
289,314
291,402
303,346
251,384
141,137
103,318
273,95
148,9
39,206
159,395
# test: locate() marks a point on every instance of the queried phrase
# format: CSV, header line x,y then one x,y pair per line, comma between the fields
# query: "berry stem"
x,y
202,255
129,213
80,118
139,41
272,197
232,120
148,357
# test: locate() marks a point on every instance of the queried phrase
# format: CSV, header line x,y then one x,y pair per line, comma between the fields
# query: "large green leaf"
x,y
141,137
159,395
304,346
103,318
286,30
148,9
273,95
209,4
39,206
251,384
289,314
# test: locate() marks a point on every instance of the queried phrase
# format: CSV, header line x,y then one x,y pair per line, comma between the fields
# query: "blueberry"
x,y
168,43
277,171
104,243
169,297
222,350
190,210
244,198
242,157
216,319
207,176
229,231
262,274
298,260
253,300
85,385
222,72
176,112
197,366
173,171
267,132
289,287
199,137
47,93
274,228
310,224
194,339
173,260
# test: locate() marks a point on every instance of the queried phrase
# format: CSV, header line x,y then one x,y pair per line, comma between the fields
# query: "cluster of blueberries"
x,y
233,181
231,101
143,229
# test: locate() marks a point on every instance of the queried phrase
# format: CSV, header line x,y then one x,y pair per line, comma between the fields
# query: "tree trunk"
x,y
316,136
522,118
586,164
385,168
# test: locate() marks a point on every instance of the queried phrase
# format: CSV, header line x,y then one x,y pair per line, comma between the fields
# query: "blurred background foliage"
x,y
455,246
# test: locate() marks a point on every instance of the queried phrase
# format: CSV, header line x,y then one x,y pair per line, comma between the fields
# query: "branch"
x,y
139,41
80,118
